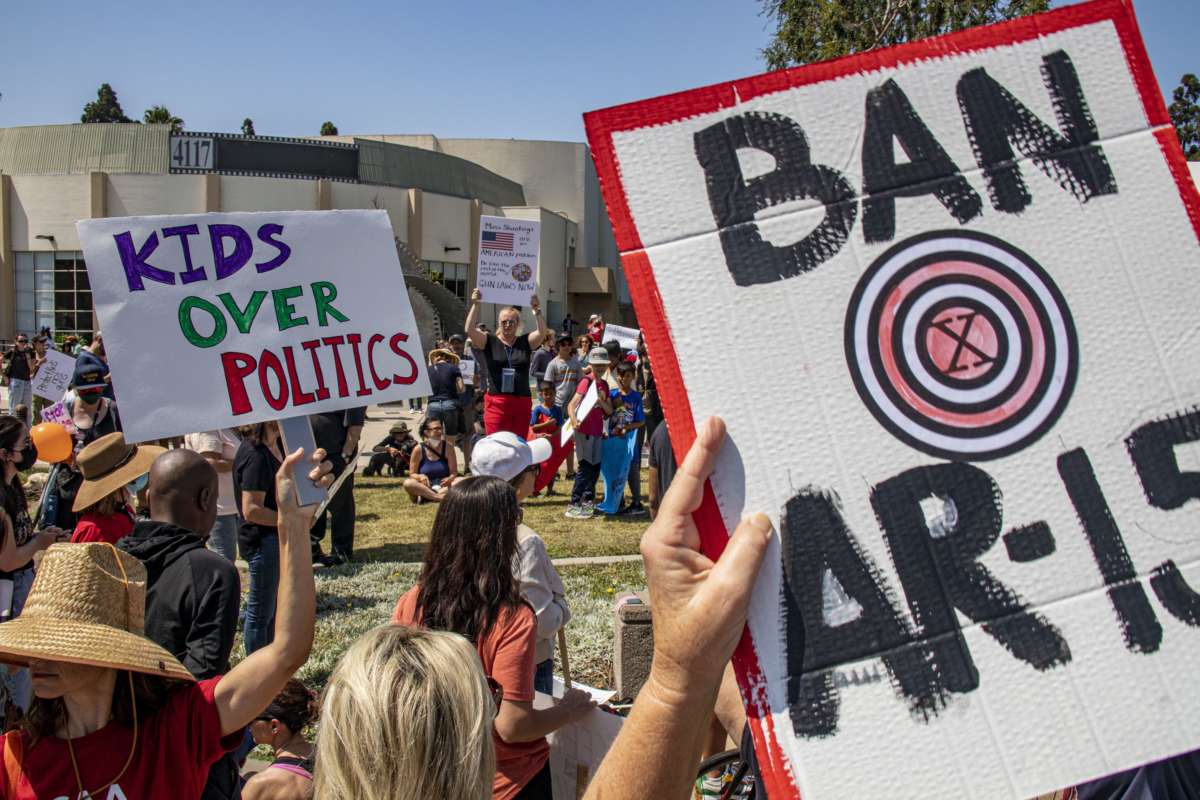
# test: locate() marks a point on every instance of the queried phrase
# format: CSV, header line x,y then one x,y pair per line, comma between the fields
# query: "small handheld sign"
x,y
508,259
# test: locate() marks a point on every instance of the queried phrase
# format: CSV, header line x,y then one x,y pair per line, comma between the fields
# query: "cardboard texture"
x,y
217,320
979,253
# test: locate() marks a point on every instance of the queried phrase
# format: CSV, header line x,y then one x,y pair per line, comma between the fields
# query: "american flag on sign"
x,y
494,240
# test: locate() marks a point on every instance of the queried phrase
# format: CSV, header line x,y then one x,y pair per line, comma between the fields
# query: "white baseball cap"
x,y
506,455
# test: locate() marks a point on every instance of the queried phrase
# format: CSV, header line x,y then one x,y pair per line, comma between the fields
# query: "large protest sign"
x,y
508,259
626,337
980,251
215,320
54,375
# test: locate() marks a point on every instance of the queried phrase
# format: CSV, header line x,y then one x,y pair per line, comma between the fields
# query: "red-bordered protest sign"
x,y
978,252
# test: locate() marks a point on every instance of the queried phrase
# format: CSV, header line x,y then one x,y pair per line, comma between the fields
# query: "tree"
x,y
1185,114
248,127
105,108
816,30
160,115
328,129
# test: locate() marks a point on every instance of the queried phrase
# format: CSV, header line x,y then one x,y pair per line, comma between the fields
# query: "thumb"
x,y
734,574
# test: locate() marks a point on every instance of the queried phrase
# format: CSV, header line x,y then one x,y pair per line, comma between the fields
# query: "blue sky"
x,y
519,69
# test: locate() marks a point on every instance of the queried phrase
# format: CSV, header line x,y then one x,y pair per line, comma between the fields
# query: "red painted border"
x,y
603,124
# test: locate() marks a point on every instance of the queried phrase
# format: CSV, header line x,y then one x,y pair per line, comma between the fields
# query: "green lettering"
x,y
324,293
189,330
284,312
243,319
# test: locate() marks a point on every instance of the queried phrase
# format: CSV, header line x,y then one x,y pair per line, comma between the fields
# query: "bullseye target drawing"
x,y
961,345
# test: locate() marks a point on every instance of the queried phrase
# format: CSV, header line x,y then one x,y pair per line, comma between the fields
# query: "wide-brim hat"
x,y
398,427
87,606
108,464
449,355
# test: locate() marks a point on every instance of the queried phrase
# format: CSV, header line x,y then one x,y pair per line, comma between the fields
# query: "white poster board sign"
x,y
982,251
54,375
590,397
217,320
576,750
508,259
467,367
626,337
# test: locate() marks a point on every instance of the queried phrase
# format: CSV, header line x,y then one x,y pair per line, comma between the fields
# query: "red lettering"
x,y
237,366
270,361
299,396
311,346
334,341
379,384
394,343
354,339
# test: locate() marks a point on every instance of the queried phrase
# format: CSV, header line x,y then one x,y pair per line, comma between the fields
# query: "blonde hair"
x,y
406,713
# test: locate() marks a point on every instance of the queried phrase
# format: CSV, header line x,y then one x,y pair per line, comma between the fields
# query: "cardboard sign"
x,y
590,398
58,413
467,367
54,376
228,319
626,337
981,250
508,259
576,750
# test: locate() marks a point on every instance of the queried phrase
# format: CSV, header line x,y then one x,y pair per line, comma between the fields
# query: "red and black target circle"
x,y
961,345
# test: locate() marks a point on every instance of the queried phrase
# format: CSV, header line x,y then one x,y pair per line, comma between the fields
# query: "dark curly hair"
x,y
12,496
150,694
295,706
467,579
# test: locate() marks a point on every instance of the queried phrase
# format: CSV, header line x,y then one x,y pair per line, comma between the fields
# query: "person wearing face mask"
x,y
92,414
20,540
113,473
433,465
506,357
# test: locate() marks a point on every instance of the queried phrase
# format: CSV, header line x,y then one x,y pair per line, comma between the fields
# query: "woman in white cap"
x,y
116,715
509,457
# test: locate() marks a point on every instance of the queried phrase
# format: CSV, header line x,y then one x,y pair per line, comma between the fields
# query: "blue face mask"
x,y
137,485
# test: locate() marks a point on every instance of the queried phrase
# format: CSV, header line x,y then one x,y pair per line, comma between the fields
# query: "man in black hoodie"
x,y
192,593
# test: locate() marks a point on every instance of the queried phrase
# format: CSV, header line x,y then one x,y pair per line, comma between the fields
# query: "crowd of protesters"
x,y
120,601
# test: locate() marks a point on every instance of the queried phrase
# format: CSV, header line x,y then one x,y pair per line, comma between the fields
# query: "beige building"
x,y
433,190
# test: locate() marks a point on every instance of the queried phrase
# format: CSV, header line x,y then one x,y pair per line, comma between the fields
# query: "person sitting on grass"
x,y
392,453
407,713
468,586
115,714
507,457
627,417
113,472
546,420
281,726
433,465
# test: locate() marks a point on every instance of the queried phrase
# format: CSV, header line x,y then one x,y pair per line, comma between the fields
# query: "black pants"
x,y
341,514
540,788
635,468
584,490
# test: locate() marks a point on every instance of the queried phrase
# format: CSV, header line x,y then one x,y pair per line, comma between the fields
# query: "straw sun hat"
x,y
87,606
449,355
108,464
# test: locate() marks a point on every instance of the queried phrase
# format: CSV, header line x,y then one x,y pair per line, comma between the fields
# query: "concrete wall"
x,y
445,222
137,195
48,205
240,193
391,199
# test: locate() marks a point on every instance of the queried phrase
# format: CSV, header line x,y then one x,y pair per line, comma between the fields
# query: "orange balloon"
x,y
53,442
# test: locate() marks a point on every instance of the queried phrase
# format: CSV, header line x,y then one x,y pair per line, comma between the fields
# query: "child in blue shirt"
x,y
621,440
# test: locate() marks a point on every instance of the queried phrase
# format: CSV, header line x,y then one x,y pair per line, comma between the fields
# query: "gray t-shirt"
x,y
565,377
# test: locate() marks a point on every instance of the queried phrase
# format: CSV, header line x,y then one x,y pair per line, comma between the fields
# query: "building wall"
x,y
239,193
48,205
137,195
391,199
445,222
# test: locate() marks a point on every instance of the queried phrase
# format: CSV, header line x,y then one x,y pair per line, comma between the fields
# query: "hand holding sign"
x,y
508,260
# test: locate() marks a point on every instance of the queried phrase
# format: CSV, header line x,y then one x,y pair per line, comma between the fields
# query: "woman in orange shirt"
x,y
467,586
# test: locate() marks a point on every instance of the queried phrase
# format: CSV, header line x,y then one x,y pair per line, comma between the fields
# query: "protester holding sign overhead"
x,y
506,356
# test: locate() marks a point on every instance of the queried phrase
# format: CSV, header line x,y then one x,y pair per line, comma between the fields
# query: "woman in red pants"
x,y
505,355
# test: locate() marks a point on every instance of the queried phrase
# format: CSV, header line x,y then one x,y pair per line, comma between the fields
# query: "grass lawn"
x,y
393,528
